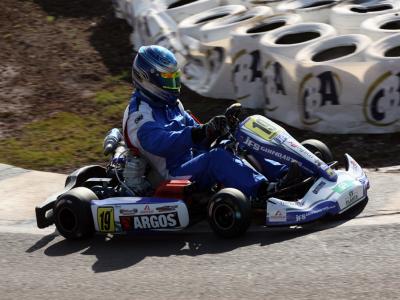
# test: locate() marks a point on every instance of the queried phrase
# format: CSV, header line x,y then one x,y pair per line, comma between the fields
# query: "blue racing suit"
x,y
163,135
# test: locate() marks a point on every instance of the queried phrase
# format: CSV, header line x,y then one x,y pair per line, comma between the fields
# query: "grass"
x,y
67,140
113,101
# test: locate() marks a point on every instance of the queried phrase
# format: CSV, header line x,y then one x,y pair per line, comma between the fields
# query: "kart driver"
x,y
156,125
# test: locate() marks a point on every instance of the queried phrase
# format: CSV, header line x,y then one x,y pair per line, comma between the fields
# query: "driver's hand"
x,y
211,130
217,126
234,114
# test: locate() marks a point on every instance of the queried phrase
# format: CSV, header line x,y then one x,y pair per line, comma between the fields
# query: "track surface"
x,y
357,259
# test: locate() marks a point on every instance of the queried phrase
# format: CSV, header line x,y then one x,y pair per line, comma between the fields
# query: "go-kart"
x,y
95,200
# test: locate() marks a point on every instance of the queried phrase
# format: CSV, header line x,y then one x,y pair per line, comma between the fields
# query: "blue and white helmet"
x,y
155,73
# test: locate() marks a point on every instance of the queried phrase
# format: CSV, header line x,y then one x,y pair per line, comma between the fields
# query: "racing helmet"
x,y
156,74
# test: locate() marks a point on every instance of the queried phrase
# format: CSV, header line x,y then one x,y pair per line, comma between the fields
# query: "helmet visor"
x,y
171,81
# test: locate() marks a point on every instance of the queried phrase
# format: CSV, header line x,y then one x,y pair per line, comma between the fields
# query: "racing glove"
x,y
209,131
235,114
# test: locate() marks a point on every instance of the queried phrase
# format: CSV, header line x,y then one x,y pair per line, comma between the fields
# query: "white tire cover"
x,y
266,24
151,26
386,49
309,10
330,82
341,48
140,7
191,25
381,26
346,18
271,3
246,58
221,28
288,40
178,10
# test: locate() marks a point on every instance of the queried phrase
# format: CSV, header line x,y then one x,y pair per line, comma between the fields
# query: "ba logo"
x,y
316,92
382,102
274,84
215,58
247,75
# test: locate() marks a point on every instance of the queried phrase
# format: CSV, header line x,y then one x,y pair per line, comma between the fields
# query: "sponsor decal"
x,y
166,208
293,144
155,221
353,197
330,172
105,219
303,217
292,204
317,91
319,187
257,147
261,128
138,119
215,57
341,187
246,73
146,210
281,138
125,211
274,84
277,216
382,101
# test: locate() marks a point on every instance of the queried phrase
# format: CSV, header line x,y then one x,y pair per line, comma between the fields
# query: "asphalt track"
x,y
358,259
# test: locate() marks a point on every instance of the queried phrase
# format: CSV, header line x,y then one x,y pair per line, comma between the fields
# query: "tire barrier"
x,y
191,26
346,18
309,10
321,76
278,50
327,86
247,76
381,26
182,9
220,29
382,82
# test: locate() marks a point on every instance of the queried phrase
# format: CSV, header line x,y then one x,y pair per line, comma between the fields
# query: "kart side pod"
x,y
127,214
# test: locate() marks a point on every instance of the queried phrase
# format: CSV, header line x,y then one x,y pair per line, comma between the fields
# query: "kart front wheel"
x,y
319,149
229,213
72,213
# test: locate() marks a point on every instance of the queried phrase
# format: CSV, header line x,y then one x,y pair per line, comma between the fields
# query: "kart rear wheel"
x,y
319,149
73,215
229,213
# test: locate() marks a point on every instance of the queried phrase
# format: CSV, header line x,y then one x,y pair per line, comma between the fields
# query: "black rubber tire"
x,y
319,149
73,215
229,213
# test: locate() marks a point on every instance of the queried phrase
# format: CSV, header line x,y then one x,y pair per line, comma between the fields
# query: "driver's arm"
x,y
159,141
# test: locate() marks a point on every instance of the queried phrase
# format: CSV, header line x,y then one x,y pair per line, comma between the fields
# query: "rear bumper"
x,y
44,213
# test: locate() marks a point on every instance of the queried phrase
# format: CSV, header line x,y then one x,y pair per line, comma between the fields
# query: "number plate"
x,y
261,128
105,219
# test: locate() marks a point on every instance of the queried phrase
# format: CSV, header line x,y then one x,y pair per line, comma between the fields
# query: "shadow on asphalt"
x,y
120,252
123,251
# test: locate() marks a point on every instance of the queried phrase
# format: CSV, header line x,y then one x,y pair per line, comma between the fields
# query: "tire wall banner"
x,y
246,58
356,93
356,97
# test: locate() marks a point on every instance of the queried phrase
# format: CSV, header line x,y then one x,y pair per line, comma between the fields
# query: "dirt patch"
x,y
64,56
53,57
